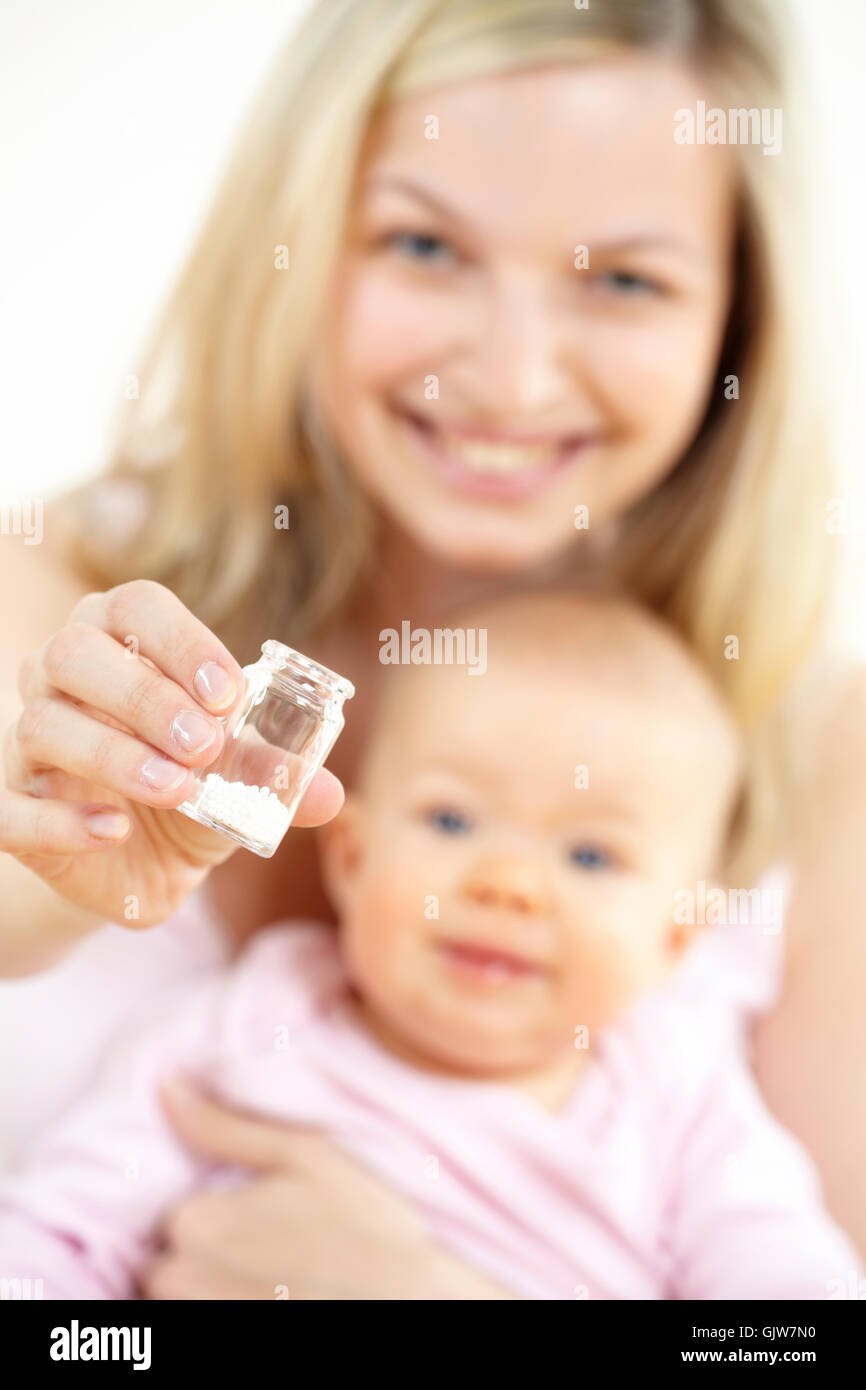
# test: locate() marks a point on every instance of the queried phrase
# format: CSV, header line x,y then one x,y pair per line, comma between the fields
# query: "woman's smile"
x,y
484,464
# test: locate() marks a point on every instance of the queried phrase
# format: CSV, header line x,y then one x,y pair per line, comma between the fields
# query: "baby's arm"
x,y
80,1213
747,1218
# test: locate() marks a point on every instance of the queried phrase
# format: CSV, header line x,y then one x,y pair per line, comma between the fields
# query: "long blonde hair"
x,y
730,547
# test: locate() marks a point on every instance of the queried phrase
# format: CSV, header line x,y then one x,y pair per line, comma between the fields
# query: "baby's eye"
x,y
417,246
590,857
449,822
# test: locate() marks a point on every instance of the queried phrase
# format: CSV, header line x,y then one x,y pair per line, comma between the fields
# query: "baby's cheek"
x,y
392,908
606,970
401,882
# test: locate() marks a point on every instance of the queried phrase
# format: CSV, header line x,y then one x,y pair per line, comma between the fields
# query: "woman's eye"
x,y
625,283
418,247
449,822
590,857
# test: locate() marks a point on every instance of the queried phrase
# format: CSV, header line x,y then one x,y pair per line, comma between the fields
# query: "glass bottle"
x,y
276,739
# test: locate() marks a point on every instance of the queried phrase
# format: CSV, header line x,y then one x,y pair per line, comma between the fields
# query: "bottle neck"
x,y
305,679
321,703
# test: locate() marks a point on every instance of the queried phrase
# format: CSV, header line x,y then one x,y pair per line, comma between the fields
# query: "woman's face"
x,y
483,374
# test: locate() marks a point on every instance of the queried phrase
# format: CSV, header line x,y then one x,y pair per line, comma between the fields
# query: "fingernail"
x,y
39,784
215,686
162,774
192,731
107,825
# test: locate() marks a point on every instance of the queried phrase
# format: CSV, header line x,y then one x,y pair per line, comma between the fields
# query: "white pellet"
x,y
254,812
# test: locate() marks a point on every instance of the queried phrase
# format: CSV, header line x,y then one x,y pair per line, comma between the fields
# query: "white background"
x,y
117,116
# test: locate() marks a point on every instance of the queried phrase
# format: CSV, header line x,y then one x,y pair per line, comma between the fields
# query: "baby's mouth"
x,y
488,963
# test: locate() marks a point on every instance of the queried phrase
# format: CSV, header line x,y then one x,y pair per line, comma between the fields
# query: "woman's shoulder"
x,y
826,735
40,584
43,565
829,831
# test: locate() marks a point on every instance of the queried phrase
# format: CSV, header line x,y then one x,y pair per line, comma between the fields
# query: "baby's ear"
x,y
687,922
681,935
340,851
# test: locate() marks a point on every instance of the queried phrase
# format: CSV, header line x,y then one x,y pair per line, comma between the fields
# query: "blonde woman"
x,y
471,312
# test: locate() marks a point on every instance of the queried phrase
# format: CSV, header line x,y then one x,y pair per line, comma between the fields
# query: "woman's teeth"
x,y
482,457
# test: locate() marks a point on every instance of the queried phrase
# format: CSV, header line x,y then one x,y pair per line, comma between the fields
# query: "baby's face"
x,y
507,873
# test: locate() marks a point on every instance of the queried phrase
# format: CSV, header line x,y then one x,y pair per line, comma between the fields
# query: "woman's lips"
x,y
487,963
480,467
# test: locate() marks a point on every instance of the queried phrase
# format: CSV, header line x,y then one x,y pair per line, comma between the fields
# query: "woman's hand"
x,y
119,705
313,1225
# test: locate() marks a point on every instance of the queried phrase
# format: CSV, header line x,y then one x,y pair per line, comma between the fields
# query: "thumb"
x,y
220,1132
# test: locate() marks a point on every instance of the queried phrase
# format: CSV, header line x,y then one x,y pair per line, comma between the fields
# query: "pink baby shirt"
x,y
663,1177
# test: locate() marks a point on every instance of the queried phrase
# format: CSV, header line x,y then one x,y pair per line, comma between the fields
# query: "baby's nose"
x,y
511,884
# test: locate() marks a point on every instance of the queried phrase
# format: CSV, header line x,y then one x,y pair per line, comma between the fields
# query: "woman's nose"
x,y
517,357
509,884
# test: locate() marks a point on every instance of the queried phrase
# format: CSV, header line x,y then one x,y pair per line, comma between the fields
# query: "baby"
x,y
509,1025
